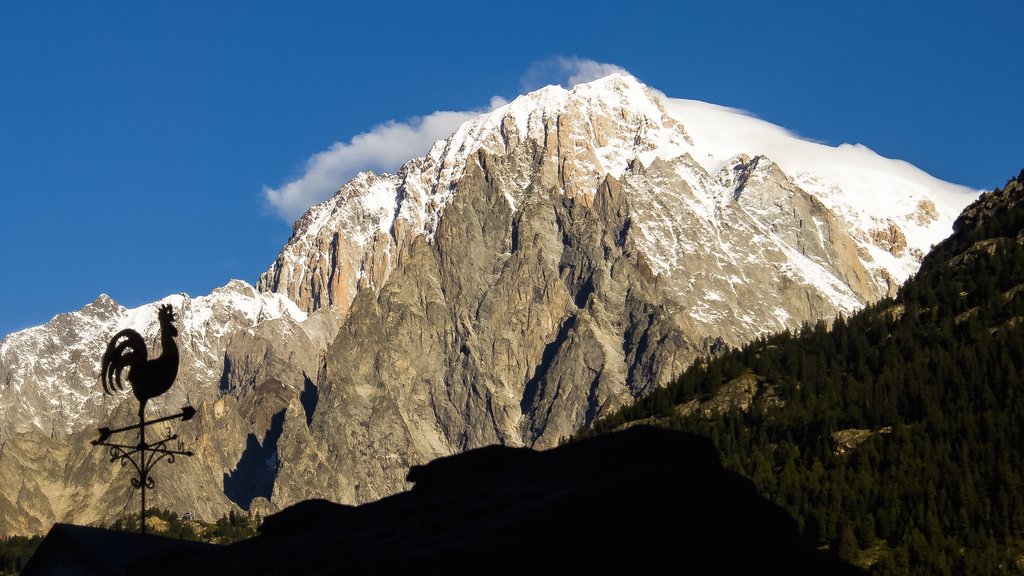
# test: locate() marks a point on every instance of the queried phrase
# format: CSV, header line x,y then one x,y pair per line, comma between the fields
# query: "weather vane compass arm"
x,y
148,379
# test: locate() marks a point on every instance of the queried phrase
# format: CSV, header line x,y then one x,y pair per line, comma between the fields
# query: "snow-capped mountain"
x,y
701,178
546,263
50,373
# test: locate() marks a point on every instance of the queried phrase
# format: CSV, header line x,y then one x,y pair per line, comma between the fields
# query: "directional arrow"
x,y
186,414
134,447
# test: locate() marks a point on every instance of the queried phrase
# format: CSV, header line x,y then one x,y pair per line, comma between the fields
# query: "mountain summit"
x,y
700,180
548,262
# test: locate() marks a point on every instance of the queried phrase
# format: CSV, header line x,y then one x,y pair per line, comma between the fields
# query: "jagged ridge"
x,y
545,264
618,127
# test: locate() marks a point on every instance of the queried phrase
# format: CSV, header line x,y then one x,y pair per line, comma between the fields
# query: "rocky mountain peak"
x,y
102,307
572,139
546,263
50,372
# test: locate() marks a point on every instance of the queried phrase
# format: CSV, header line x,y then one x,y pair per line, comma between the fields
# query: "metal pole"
x,y
142,468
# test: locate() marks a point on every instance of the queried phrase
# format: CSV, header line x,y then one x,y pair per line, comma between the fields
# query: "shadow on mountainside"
x,y
254,474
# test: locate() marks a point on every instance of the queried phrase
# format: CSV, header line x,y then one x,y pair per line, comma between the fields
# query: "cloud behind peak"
x,y
383,148
388,145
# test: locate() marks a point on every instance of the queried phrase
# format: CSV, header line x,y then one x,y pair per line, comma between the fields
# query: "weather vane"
x,y
148,379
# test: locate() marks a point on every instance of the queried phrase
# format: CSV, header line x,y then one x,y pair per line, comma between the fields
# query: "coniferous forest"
x,y
895,437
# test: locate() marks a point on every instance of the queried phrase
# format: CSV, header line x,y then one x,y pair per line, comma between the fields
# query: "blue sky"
x,y
139,140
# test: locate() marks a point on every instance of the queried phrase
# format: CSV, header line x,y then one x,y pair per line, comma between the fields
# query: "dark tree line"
x,y
15,552
229,528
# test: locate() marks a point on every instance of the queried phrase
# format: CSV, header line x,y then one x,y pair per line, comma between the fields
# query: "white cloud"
x,y
384,148
566,71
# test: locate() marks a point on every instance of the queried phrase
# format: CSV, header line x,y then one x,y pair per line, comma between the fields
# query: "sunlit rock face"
x,y
546,263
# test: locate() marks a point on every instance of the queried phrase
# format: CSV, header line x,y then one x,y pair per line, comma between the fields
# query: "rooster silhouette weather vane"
x,y
148,379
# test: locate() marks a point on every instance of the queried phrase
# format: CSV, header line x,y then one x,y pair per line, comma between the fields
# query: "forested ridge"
x,y
894,436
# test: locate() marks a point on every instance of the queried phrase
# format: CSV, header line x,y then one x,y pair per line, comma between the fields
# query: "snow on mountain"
x,y
616,126
49,374
546,263
849,179
689,166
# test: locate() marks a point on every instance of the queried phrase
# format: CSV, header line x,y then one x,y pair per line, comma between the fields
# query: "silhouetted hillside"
x,y
634,500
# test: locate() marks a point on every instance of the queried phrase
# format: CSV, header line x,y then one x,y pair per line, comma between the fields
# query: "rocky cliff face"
x,y
510,327
50,373
705,186
51,403
553,259
549,261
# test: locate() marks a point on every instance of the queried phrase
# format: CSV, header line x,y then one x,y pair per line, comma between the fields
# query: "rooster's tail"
x,y
125,348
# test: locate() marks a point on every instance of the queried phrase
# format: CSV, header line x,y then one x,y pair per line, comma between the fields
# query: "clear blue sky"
x,y
137,138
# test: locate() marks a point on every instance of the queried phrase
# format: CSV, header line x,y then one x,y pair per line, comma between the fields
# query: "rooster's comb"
x,y
166,313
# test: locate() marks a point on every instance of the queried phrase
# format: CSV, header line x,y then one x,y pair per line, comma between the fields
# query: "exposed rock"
x,y
844,441
986,247
52,473
737,394
990,204
546,263
890,239
926,212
